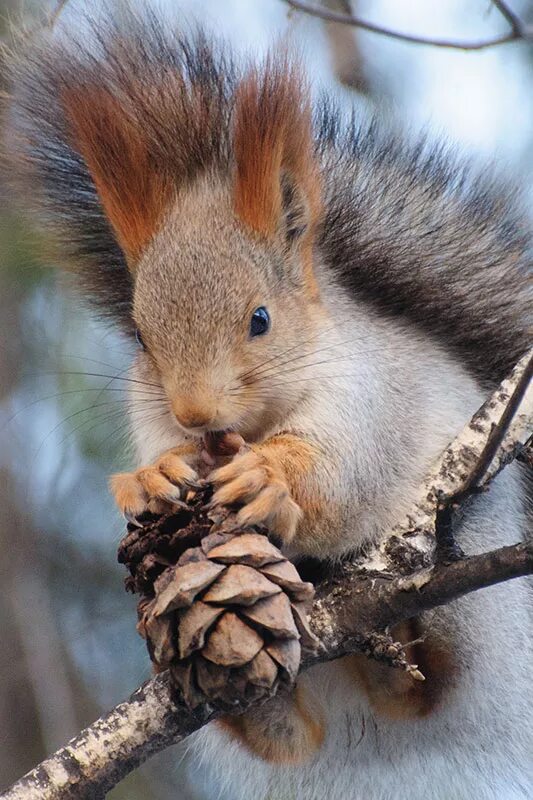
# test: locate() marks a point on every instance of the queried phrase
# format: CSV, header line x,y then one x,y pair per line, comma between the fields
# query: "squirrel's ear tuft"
x,y
133,191
277,185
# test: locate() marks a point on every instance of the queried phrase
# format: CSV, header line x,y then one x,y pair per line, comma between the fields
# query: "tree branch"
x,y
513,19
519,30
348,608
503,428
353,608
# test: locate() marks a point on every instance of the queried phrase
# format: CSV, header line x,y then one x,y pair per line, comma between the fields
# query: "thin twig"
x,y
519,31
500,429
54,15
513,19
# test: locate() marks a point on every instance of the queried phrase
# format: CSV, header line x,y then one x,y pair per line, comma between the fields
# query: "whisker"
x,y
265,392
100,420
110,381
338,322
313,378
91,360
317,364
108,384
106,417
97,375
355,355
77,391
322,331
83,411
344,343
126,425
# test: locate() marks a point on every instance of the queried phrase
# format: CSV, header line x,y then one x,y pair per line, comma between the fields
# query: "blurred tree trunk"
x,y
20,745
346,55
35,694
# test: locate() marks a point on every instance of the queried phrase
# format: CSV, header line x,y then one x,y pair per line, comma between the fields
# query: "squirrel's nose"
x,y
192,417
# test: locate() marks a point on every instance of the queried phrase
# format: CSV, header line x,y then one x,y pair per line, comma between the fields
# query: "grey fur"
x,y
407,228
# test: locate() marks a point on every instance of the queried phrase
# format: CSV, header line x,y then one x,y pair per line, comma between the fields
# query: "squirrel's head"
x,y
224,288
219,310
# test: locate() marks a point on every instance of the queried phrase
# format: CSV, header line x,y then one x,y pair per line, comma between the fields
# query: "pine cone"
x,y
224,611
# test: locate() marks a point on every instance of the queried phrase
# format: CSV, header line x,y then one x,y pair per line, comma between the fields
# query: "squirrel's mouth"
x,y
212,430
246,424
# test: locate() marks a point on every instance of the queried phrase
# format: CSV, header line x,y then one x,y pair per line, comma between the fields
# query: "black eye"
x,y
260,322
140,340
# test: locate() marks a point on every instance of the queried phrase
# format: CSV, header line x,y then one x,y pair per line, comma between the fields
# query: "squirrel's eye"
x,y
260,322
139,338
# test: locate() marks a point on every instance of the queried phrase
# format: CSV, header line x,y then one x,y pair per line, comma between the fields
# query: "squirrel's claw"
x,y
251,480
154,489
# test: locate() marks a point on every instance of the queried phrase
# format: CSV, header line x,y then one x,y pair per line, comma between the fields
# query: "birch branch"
x,y
345,613
352,607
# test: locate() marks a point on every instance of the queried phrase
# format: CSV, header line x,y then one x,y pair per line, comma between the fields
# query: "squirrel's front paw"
x,y
154,488
254,480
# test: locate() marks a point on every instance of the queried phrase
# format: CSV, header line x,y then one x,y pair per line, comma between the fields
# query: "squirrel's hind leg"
x,y
393,693
288,729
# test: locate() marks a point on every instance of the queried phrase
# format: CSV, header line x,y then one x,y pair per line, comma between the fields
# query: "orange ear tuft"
x,y
133,192
273,142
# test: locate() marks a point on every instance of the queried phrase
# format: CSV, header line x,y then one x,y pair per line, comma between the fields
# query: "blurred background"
x,y
69,649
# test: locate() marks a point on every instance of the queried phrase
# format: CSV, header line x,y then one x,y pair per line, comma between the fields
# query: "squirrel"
x,y
343,300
